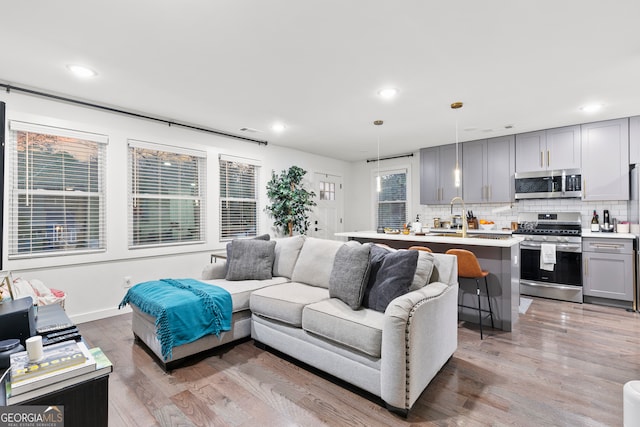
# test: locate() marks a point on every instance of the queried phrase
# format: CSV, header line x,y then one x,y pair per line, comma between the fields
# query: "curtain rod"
x,y
9,88
390,157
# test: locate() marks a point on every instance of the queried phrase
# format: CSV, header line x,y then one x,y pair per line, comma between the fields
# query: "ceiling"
x,y
317,65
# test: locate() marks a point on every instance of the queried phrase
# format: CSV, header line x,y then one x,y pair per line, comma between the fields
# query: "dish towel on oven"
x,y
547,256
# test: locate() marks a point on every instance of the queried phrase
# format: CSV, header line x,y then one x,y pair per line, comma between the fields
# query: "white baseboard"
x,y
97,315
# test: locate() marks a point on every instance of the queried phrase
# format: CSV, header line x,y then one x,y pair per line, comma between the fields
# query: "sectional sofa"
x,y
382,320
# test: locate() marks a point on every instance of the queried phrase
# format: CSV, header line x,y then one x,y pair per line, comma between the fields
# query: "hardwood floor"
x,y
564,365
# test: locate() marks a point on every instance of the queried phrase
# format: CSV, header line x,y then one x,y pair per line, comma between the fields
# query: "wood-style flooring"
x,y
564,365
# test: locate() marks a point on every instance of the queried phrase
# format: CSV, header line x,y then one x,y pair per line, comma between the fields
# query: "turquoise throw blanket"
x,y
185,309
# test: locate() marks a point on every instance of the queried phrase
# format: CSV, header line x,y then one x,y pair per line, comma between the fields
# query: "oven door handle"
x,y
555,285
573,246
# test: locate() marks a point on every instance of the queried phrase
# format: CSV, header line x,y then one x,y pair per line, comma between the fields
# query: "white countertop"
x,y
505,242
606,235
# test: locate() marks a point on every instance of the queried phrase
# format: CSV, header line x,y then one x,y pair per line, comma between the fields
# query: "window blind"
x,y
392,199
166,195
57,192
238,197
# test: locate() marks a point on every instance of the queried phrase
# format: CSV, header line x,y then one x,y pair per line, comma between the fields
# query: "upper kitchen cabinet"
x,y
605,160
550,149
437,184
487,169
634,140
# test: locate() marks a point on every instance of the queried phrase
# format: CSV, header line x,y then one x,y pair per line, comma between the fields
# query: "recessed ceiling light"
x,y
591,108
278,127
81,71
470,129
388,93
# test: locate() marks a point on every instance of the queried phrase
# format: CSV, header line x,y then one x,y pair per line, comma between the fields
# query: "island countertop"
x,y
479,238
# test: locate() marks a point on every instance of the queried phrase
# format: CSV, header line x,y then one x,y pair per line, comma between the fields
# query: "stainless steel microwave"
x,y
550,184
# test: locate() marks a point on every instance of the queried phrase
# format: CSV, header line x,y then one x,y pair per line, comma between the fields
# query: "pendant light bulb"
x,y
456,171
378,181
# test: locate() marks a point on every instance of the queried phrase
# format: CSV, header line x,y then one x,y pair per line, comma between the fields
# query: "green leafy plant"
x,y
290,201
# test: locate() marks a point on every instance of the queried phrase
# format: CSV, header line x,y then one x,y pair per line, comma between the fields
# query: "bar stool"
x,y
420,248
469,268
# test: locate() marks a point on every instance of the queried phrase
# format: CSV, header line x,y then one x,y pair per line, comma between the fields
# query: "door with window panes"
x,y
326,219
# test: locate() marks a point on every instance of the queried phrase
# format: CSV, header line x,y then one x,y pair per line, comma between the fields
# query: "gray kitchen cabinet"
x,y
550,149
608,268
605,160
437,164
634,140
487,170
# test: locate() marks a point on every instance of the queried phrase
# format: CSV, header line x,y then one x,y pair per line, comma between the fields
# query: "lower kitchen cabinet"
x,y
608,270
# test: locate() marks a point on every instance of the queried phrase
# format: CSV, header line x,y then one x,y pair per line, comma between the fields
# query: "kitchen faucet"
x,y
464,214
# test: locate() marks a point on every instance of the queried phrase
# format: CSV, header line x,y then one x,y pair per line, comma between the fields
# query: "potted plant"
x,y
290,201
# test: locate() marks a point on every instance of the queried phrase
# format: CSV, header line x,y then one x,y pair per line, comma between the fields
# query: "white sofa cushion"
x,y
315,262
285,302
287,252
360,330
240,290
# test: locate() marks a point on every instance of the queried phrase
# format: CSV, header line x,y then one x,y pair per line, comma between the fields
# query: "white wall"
x,y
361,192
94,282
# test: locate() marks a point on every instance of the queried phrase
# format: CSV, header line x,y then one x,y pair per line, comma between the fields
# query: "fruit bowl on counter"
x,y
487,225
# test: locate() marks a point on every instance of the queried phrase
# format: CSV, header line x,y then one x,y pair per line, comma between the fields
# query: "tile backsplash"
x,y
504,213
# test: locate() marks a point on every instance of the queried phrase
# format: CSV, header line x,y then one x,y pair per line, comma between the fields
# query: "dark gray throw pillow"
x,y
265,237
350,274
251,260
394,275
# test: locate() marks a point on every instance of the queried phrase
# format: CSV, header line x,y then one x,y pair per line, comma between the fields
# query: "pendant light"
x,y
456,171
378,182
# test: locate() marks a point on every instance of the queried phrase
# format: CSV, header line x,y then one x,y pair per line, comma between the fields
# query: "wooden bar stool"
x,y
469,268
420,248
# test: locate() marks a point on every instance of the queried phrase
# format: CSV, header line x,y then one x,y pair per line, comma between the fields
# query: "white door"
x,y
326,219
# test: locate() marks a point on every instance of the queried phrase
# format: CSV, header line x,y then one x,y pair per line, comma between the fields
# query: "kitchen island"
x,y
498,253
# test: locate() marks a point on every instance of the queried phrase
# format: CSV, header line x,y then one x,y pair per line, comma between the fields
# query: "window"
x,y
327,190
238,197
392,199
57,190
166,203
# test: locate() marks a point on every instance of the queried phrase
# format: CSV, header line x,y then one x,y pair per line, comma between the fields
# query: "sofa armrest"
x,y
419,335
217,270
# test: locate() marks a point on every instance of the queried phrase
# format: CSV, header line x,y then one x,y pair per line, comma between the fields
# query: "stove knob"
x,y
544,238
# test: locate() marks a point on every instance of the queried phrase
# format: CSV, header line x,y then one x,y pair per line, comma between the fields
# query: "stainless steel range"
x,y
551,255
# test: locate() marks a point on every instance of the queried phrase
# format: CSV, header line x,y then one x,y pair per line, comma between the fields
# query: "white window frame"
x,y
387,171
226,231
180,235
63,236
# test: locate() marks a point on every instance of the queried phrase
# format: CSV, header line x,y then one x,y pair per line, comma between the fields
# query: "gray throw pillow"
x,y
394,273
424,269
251,260
265,237
350,274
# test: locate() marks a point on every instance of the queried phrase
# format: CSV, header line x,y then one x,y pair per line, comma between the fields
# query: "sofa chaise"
x,y
306,307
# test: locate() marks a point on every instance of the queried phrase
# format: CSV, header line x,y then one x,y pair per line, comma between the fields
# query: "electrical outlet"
x,y
127,282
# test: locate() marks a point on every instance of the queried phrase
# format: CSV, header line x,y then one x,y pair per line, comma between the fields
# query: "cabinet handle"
x,y
541,159
548,158
584,188
586,267
606,246
488,192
